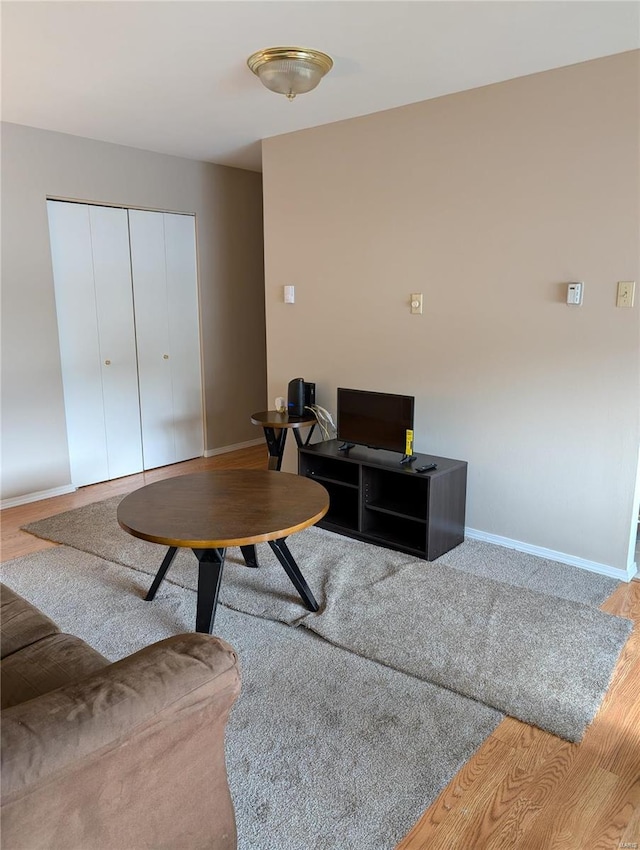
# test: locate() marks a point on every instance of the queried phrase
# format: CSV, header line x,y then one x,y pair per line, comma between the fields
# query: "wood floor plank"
x,y
570,818
529,742
496,816
543,782
616,817
630,838
624,601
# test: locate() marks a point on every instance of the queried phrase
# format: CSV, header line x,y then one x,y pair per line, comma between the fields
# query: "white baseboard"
x,y
36,497
235,447
550,554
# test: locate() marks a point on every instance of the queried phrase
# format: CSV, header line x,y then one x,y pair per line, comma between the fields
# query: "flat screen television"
x,y
376,420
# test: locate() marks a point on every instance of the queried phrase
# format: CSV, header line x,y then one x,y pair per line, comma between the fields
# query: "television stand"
x,y
375,499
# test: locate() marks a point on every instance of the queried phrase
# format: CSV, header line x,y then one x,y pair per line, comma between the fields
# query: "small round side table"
x,y
275,426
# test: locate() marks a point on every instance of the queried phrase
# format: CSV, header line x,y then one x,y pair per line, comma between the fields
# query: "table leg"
x,y
276,439
282,553
210,565
302,443
164,566
250,556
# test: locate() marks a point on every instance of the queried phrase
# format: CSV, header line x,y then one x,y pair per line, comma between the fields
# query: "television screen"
x,y
377,420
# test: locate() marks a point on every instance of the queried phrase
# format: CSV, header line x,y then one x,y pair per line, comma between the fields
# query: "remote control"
x,y
427,467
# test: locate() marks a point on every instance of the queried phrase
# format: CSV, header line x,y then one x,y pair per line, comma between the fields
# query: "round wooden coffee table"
x,y
209,511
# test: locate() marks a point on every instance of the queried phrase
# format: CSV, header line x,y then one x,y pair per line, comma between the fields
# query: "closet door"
x,y
117,339
92,281
72,259
167,327
184,334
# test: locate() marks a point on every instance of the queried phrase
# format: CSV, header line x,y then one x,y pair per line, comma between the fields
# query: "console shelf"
x,y
376,499
400,510
326,480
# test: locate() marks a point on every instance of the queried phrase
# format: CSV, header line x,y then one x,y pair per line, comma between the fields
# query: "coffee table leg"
x,y
164,566
210,564
250,556
285,557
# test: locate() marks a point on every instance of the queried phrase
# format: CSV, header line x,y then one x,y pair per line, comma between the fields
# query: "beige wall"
x,y
228,207
488,202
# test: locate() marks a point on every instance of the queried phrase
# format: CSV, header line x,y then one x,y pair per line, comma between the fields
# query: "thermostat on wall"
x,y
574,293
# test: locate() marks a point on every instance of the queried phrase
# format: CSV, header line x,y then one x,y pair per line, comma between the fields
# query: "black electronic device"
x,y
301,395
427,467
295,397
376,420
309,395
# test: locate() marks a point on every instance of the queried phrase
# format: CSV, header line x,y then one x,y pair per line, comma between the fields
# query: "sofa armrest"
x,y
137,695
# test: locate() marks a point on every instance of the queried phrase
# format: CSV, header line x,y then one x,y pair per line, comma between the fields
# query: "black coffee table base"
x,y
210,567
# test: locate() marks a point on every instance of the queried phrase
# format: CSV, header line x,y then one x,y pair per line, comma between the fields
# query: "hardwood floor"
x,y
524,788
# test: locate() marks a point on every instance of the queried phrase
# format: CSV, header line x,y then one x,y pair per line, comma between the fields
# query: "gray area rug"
x,y
325,749
546,659
543,660
521,569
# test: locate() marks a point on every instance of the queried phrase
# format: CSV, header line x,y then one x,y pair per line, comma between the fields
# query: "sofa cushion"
x,y
21,624
43,666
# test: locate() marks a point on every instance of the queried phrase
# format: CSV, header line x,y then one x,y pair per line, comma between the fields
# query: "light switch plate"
x,y
626,293
416,303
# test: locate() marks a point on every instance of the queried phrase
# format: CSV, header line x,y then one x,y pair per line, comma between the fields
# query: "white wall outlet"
x,y
416,303
289,295
574,293
626,293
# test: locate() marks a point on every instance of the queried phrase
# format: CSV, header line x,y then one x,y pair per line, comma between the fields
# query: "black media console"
x,y
376,499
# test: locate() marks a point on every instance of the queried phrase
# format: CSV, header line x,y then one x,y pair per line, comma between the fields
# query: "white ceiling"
x,y
172,76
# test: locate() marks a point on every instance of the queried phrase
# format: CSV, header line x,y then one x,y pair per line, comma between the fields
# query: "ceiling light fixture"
x,y
290,70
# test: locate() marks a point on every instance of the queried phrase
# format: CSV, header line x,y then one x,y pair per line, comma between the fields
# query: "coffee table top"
x,y
273,419
226,507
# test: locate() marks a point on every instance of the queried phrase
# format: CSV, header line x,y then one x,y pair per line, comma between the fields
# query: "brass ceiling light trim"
x,y
290,70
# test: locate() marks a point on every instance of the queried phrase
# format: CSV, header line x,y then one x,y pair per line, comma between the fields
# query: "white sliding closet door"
x,y
92,279
117,338
163,263
184,334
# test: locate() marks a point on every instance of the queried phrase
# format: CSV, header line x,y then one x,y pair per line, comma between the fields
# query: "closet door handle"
x,y
165,356
107,362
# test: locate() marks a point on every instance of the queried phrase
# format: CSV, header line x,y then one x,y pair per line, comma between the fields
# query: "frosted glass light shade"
x,y
289,70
